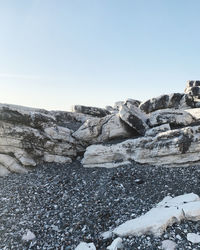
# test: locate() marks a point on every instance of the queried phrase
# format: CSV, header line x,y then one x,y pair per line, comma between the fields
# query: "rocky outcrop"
x,y
31,136
93,111
174,147
193,88
174,101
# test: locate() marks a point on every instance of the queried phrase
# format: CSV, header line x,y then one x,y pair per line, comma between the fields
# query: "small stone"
x,y
139,181
116,244
168,245
194,238
28,236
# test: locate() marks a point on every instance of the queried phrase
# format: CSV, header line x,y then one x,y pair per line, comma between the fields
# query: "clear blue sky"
x,y
56,53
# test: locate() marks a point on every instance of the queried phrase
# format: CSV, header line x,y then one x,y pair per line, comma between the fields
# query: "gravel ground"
x,y
66,204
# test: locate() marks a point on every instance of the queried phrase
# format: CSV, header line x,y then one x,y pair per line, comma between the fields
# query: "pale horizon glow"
x,y
55,54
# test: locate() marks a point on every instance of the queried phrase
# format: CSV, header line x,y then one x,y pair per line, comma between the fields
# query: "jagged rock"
x,y
159,129
117,105
93,111
116,244
193,88
175,118
174,147
175,100
134,117
85,246
31,136
166,213
98,130
132,102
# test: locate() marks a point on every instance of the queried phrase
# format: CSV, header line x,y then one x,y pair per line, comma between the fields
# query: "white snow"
x,y
116,244
168,245
106,235
28,236
194,238
166,213
85,246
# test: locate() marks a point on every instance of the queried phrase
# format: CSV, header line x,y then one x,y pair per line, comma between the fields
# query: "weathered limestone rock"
x,y
175,101
134,117
159,129
98,130
179,147
93,111
175,118
30,136
193,88
166,213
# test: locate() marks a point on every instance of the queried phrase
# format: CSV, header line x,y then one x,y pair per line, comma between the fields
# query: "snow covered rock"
x,y
179,147
166,213
85,246
194,238
93,111
116,244
168,245
134,117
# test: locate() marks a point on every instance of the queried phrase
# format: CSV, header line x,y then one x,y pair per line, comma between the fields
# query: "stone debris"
x,y
116,244
85,246
194,238
166,213
168,245
28,236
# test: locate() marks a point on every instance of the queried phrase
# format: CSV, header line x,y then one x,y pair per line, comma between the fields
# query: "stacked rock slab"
x,y
31,136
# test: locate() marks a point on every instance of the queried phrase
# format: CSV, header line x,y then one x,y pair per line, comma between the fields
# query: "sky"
x,y
57,53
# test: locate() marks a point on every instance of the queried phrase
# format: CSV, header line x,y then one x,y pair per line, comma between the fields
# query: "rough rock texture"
x,y
174,147
175,100
175,118
98,130
29,136
166,213
134,117
93,111
193,88
159,129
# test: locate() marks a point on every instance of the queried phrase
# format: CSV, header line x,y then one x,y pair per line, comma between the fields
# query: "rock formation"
x,y
161,131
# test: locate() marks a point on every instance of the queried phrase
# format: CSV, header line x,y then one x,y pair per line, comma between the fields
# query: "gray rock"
x,y
98,130
93,111
134,117
159,129
179,147
175,118
175,101
32,136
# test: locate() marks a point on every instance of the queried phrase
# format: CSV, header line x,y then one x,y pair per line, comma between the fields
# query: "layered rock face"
x,y
161,131
31,136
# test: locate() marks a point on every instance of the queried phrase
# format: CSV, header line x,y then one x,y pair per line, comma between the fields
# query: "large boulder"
x,y
31,136
174,147
93,111
193,88
175,101
134,117
98,130
175,118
